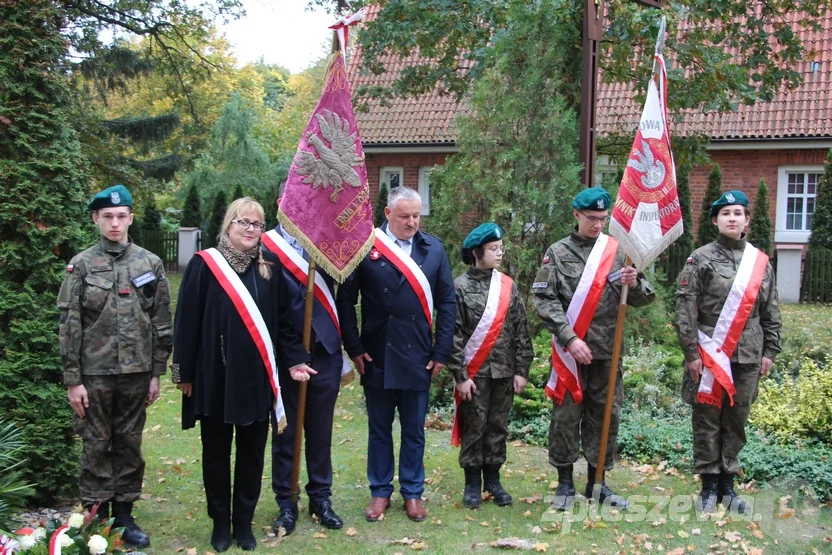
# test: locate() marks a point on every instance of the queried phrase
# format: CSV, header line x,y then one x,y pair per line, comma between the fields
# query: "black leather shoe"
x,y
286,519
326,515
728,497
221,535
245,537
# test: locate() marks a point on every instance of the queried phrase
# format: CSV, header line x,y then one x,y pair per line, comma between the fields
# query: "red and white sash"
x,y
299,268
252,319
716,351
411,271
55,540
564,376
484,337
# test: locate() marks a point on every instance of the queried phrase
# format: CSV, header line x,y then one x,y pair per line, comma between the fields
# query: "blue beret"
x,y
482,234
593,198
114,196
729,199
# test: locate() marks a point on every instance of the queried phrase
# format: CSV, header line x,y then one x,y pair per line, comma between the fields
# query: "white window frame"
x,y
384,175
781,234
424,188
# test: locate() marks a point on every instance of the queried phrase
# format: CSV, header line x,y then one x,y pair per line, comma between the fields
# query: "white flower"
x,y
97,544
27,542
76,520
66,540
39,533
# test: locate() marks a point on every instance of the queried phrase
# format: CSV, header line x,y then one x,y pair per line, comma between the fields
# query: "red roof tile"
x,y
428,119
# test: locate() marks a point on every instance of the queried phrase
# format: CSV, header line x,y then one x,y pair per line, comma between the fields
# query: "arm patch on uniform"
x,y
144,279
689,260
546,259
540,284
614,276
69,268
683,283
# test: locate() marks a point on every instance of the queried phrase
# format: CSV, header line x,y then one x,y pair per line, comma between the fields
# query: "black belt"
x,y
712,320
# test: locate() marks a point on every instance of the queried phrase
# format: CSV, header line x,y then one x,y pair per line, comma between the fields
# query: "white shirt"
x,y
405,244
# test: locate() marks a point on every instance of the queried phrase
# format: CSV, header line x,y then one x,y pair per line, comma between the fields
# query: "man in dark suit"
x,y
321,394
405,275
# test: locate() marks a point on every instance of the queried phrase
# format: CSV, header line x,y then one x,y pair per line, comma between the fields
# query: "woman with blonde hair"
x,y
231,330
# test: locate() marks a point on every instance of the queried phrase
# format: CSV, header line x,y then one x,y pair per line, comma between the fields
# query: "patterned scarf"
x,y
238,260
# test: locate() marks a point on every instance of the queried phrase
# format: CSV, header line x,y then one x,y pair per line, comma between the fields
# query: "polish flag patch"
x,y
69,268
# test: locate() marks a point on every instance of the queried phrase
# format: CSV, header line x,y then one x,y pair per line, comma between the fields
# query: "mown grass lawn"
x,y
174,509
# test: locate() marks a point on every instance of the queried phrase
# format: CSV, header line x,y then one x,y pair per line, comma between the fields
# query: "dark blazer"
x,y
214,350
322,325
394,331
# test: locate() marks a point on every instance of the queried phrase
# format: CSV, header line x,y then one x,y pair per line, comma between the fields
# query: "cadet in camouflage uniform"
x,y
703,286
115,337
487,398
575,425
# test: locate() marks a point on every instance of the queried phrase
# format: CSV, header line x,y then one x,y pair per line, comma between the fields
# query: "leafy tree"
x,y
761,231
238,192
517,163
152,218
707,231
683,190
381,204
192,213
730,51
43,223
821,224
214,227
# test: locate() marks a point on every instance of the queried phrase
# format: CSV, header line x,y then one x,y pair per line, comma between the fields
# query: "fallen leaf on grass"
x,y
145,497
732,536
485,524
682,534
541,547
417,546
156,429
469,518
351,532
677,551
660,522
404,541
531,500
318,535
696,531
191,551
537,530
512,543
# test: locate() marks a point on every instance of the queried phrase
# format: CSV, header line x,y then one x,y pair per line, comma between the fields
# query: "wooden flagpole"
x,y
616,356
301,415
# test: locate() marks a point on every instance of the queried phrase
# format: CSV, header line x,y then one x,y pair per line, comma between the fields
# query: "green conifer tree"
x,y
683,189
191,213
238,193
43,223
821,224
212,230
760,234
381,204
707,231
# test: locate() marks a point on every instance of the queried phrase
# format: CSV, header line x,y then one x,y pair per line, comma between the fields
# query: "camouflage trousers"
x,y
112,466
719,433
484,423
573,426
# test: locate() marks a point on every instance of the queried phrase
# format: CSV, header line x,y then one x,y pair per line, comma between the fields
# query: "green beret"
x,y
729,199
592,198
114,196
482,234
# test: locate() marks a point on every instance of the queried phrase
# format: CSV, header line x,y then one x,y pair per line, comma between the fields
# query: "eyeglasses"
x,y
245,225
595,219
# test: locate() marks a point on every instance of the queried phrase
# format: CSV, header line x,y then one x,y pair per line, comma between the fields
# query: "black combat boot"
x,y
707,499
604,495
244,536
472,496
491,479
133,535
728,497
565,494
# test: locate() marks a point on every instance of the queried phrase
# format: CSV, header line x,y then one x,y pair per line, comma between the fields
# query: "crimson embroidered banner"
x,y
647,216
326,202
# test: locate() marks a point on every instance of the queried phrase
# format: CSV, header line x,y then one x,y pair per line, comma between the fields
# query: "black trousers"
x,y
250,442
321,394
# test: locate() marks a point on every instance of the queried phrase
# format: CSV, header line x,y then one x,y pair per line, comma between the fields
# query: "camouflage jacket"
x,y
512,354
557,280
701,291
115,313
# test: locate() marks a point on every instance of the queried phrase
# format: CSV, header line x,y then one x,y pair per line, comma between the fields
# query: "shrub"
x,y
798,407
707,231
13,490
